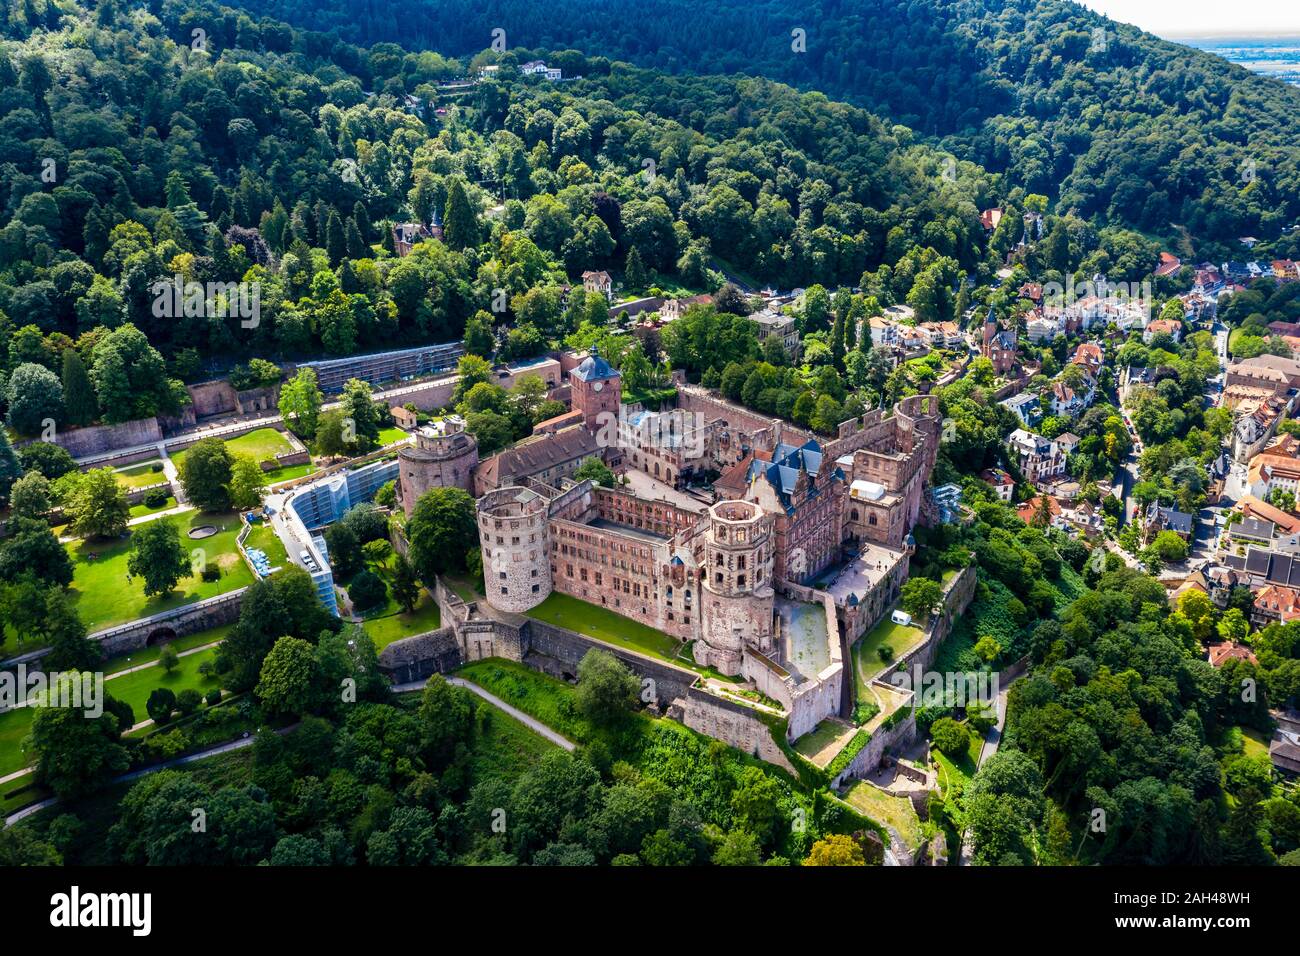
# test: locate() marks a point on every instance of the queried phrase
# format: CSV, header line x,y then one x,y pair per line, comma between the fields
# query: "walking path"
x,y
10,777
137,774
531,723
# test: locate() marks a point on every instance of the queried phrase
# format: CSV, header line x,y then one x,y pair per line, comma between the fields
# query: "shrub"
x,y
886,653
156,498
188,701
156,468
949,736
211,572
160,705
213,696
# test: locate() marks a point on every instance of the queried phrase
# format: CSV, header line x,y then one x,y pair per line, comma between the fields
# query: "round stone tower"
x,y
512,533
444,455
738,598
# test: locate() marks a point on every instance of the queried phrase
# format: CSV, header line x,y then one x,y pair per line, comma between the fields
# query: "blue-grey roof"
x,y
594,368
782,472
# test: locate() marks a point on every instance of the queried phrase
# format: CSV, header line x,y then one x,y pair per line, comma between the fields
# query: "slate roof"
x,y
783,471
1173,519
594,368
1274,568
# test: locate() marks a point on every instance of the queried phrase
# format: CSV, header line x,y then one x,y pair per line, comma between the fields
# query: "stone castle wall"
x,y
102,439
732,723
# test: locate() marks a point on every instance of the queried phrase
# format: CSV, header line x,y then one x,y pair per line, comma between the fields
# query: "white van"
x,y
901,617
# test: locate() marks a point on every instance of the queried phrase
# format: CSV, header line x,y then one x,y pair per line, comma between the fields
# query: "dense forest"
x,y
1117,124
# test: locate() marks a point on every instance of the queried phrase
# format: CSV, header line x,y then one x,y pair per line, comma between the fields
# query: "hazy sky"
x,y
1170,18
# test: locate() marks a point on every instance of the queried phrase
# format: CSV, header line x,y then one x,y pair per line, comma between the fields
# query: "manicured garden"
x,y
263,444
104,595
133,688
142,509
603,624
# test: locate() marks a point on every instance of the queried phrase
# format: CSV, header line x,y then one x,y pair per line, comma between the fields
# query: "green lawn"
x,y
1254,743
264,539
141,475
957,773
263,444
278,475
103,596
397,624
388,436
823,742
867,664
149,654
142,509
545,698
466,590
134,688
603,624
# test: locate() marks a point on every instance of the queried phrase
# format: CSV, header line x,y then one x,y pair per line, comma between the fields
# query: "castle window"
x,y
740,580
503,575
718,578
740,562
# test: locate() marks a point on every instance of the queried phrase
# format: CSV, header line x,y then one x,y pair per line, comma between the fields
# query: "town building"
x,y
1001,482
1036,457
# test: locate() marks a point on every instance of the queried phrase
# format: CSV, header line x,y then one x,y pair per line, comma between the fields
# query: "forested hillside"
x,y
1125,126
130,156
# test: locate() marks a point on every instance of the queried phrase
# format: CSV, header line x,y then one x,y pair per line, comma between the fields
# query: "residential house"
x,y
942,335
998,346
1000,482
1256,422
1041,329
782,326
406,235
1131,377
1069,402
1268,473
884,332
599,282
675,308
1275,603
1169,264
1089,357
1163,518
1170,327
1026,408
1273,372
1036,457
1221,652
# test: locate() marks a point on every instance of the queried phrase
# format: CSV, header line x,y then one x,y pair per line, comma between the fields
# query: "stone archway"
x,y
160,635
